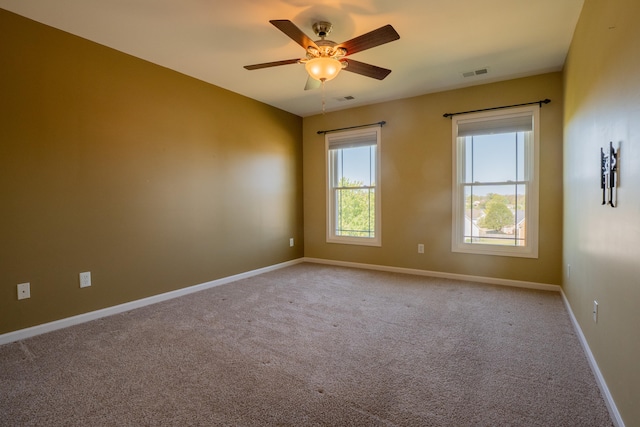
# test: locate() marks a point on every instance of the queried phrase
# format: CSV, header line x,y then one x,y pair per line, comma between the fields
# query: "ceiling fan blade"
x,y
366,69
293,32
271,64
312,84
371,39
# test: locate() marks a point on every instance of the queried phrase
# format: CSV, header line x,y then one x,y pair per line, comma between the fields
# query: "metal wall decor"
x,y
608,171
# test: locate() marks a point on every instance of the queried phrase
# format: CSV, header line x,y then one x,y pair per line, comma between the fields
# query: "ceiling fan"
x,y
325,58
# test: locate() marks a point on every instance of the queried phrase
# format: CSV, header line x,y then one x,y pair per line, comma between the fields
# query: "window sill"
x,y
359,241
508,251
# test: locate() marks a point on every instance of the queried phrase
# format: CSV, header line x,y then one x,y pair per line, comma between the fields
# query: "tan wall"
x,y
416,182
149,179
602,93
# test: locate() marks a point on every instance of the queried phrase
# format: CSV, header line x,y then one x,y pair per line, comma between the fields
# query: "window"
x,y
353,187
495,182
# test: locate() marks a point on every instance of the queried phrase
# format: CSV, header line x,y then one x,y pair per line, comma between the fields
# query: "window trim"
x,y
532,167
353,135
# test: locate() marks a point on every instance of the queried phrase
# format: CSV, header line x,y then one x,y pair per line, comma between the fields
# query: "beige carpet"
x,y
312,345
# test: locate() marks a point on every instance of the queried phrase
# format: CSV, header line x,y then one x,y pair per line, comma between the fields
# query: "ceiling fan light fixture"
x,y
323,68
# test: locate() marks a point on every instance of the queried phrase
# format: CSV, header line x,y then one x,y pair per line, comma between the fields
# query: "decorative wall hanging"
x,y
608,171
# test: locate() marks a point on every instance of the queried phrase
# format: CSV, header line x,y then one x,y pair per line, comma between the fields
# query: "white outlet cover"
x,y
24,291
85,279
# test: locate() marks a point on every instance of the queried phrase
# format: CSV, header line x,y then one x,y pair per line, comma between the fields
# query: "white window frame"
x,y
348,139
531,178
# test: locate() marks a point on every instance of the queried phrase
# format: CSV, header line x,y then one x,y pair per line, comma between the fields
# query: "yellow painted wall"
x,y
416,182
149,179
602,93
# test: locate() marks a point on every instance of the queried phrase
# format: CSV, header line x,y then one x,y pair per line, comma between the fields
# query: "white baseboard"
x,y
109,311
606,394
479,279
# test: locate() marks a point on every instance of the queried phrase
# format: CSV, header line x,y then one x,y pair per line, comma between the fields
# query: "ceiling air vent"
x,y
479,72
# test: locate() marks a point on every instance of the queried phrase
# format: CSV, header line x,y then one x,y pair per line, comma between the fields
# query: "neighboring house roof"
x,y
474,214
519,215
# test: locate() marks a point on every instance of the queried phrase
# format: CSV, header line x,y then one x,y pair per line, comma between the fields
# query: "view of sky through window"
x,y
357,165
491,159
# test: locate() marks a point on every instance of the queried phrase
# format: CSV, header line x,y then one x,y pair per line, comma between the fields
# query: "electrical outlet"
x,y
291,242
595,311
420,248
85,279
24,291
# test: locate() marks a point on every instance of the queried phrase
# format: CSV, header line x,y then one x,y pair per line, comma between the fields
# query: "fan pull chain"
x,y
323,103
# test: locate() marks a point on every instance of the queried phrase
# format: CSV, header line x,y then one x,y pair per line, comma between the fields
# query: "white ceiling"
x,y
212,40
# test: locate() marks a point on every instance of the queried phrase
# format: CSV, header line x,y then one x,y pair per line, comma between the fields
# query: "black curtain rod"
x,y
543,101
382,123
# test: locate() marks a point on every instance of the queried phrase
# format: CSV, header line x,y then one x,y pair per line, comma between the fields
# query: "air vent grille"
x,y
478,72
